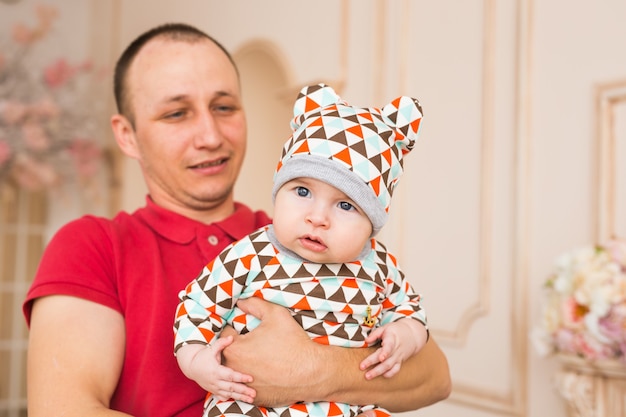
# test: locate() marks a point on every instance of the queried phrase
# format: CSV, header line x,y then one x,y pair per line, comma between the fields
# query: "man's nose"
x,y
207,133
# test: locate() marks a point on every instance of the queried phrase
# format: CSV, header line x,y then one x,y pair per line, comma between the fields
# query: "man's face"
x,y
190,127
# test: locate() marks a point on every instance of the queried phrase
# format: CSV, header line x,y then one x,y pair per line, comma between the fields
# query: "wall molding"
x,y
608,97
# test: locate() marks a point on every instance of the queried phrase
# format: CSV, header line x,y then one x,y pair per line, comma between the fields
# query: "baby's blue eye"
x,y
344,205
303,191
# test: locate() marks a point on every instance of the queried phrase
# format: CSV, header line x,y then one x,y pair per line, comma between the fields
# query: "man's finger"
x,y
256,306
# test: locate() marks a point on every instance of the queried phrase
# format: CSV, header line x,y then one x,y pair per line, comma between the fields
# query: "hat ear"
x,y
405,114
312,97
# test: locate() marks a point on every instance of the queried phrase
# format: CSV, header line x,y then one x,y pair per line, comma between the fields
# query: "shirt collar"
x,y
181,229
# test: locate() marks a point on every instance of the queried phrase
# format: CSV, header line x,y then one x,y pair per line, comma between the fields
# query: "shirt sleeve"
x,y
78,261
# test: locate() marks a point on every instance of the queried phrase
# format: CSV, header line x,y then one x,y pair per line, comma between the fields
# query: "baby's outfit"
x,y
336,304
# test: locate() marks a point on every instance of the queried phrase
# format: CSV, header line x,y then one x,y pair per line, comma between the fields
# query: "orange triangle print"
x,y
350,283
300,407
366,115
387,155
356,130
227,287
322,340
247,260
396,103
415,125
182,311
344,156
303,148
375,184
334,410
310,105
317,122
240,319
303,304
207,334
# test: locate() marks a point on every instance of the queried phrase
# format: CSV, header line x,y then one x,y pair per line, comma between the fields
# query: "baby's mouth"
x,y
312,243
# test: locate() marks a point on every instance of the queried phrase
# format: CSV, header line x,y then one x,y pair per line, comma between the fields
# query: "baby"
x,y
332,191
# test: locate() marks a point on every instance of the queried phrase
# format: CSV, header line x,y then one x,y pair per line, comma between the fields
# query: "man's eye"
x,y
344,205
224,109
175,115
302,191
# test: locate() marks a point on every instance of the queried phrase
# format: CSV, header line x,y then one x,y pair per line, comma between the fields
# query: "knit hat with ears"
x,y
357,150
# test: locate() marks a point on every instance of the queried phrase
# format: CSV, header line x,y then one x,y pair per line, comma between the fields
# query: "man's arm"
x,y
288,366
75,356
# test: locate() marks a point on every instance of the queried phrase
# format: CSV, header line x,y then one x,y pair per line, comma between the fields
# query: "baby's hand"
x,y
203,365
399,341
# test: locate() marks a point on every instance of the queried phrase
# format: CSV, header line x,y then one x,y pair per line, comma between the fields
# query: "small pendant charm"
x,y
369,321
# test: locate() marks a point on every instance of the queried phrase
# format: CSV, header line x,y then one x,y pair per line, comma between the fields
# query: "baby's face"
x,y
319,222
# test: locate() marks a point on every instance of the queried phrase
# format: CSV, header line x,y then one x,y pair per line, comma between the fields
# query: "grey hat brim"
x,y
331,172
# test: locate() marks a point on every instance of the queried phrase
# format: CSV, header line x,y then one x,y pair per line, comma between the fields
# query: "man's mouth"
x,y
210,164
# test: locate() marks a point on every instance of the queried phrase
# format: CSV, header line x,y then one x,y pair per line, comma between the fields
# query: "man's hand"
x,y
275,354
287,367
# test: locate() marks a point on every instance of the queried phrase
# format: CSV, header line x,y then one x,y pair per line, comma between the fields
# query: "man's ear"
x,y
125,135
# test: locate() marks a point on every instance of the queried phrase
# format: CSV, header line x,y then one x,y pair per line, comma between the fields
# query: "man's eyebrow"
x,y
182,97
222,93
174,99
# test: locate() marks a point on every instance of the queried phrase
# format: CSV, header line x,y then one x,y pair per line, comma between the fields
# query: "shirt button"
x,y
213,240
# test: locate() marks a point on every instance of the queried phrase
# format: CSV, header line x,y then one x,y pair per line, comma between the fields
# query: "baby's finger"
x,y
228,375
243,392
370,361
374,335
221,343
378,370
235,391
393,371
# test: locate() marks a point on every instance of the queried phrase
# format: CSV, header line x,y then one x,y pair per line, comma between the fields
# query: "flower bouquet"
x,y
48,111
584,311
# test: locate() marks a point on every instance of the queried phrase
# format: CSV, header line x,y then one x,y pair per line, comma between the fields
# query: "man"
x,y
102,305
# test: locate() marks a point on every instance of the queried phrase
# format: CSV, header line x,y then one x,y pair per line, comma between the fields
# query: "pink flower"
x,y
591,348
613,325
46,15
46,108
35,137
12,111
564,341
58,74
23,35
5,152
32,174
86,156
573,313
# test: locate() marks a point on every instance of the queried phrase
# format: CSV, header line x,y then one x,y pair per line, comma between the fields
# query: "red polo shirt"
x,y
136,264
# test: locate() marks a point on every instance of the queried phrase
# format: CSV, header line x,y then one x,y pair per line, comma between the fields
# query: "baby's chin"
x,y
319,258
